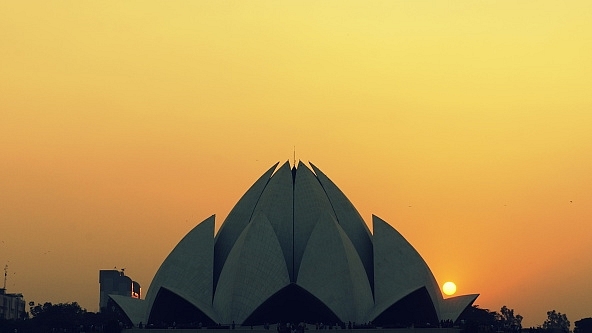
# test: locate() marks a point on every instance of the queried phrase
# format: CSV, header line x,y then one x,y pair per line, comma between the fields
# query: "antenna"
x,y
5,274
294,156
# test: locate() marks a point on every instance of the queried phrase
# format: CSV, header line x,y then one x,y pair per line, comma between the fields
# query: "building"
x,y
12,306
294,249
115,282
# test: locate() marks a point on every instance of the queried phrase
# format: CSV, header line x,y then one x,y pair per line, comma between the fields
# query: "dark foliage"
x,y
62,317
583,325
475,319
556,322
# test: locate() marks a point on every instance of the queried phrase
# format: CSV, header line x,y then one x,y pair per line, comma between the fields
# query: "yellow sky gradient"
x,y
467,125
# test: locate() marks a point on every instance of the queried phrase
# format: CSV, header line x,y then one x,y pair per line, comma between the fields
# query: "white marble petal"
x,y
189,270
255,270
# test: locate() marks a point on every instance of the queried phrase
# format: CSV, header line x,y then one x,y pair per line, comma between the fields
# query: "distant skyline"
x,y
466,125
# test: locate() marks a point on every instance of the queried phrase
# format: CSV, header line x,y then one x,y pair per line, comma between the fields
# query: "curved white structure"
x,y
294,249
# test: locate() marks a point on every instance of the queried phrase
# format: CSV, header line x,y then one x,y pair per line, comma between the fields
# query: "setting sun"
x,y
449,288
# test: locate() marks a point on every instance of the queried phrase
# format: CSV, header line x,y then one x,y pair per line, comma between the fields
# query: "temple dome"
x,y
295,249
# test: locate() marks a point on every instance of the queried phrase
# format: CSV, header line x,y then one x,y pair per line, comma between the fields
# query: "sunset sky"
x,y
467,125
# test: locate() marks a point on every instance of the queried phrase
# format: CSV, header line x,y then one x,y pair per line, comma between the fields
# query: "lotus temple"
x,y
293,249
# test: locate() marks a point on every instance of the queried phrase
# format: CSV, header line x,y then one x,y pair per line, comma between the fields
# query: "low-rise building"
x,y
115,282
12,306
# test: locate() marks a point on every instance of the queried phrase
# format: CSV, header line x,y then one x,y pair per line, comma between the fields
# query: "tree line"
x,y
477,320
61,318
72,318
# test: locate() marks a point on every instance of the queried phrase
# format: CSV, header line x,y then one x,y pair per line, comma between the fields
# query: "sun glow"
x,y
449,288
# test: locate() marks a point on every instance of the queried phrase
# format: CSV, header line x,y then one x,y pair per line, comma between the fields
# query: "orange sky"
x,y
466,125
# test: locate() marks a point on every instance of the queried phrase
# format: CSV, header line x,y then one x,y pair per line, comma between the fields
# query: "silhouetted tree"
x,y
509,322
583,325
475,319
62,316
556,322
